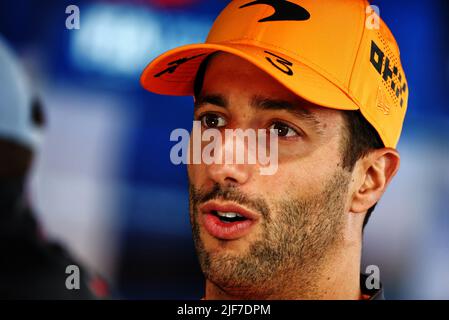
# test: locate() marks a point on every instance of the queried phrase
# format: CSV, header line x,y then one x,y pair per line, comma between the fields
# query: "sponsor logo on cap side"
x,y
382,102
384,67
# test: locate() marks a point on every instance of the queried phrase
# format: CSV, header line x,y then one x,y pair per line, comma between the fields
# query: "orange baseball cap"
x,y
337,54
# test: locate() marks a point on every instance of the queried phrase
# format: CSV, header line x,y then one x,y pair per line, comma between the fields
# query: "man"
x,y
31,267
326,78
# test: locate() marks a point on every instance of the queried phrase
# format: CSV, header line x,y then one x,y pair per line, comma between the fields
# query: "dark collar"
x,y
371,294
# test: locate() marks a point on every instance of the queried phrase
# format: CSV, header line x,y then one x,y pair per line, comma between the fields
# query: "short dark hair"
x,y
359,138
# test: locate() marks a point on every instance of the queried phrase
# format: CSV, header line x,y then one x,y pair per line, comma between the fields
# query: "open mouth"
x,y
227,221
228,217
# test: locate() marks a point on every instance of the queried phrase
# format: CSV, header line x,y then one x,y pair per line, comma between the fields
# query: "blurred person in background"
x,y
30,266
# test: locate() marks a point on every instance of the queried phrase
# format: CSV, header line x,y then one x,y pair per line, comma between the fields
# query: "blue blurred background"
x,y
103,183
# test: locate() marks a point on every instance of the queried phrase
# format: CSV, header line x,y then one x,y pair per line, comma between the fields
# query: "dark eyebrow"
x,y
214,99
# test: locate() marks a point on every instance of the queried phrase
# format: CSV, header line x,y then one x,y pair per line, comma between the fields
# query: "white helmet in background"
x,y
19,115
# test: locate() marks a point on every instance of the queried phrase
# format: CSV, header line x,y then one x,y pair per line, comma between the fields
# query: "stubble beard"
x,y
292,248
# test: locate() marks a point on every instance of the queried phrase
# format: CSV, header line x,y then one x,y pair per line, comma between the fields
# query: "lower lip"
x,y
226,231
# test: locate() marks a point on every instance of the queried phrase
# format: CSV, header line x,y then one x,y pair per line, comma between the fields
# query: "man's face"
x,y
291,220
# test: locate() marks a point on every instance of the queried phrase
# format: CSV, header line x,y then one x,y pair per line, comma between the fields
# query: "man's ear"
x,y
374,173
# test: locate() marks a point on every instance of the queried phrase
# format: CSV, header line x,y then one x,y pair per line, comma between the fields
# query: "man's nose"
x,y
230,172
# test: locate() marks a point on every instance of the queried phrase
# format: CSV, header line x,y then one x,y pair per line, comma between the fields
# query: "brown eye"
x,y
283,130
211,120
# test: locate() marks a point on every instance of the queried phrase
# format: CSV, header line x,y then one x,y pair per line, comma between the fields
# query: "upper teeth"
x,y
228,214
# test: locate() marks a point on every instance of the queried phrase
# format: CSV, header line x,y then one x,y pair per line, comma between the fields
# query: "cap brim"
x,y
174,72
